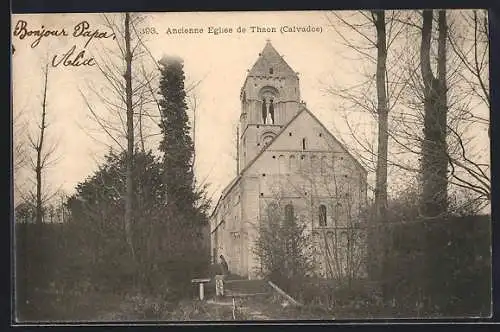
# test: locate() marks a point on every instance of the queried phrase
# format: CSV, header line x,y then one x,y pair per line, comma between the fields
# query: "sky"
x,y
218,61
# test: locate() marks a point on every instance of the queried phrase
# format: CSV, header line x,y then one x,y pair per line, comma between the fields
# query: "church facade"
x,y
288,159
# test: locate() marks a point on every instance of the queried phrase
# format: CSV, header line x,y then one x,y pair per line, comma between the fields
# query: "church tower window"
x,y
293,164
271,71
304,145
264,111
267,110
267,138
271,110
322,215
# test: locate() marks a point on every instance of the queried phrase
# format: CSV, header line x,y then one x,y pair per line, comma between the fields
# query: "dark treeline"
x,y
439,267
93,252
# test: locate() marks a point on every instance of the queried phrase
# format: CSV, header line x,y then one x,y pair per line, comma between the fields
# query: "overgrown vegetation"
x,y
152,245
282,247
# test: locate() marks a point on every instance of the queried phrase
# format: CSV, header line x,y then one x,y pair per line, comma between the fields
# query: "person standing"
x,y
219,279
225,267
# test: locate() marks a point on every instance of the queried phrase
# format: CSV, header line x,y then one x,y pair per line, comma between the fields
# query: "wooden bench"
x,y
201,282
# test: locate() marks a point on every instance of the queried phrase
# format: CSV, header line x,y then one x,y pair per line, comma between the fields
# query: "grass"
x,y
95,306
48,306
102,306
277,309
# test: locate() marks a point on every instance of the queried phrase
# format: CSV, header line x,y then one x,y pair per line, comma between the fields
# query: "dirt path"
x,y
242,310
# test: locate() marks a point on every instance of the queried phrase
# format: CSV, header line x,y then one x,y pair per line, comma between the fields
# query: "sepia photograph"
x,y
175,167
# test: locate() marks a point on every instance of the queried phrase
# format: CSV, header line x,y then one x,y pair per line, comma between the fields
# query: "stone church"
x,y
289,160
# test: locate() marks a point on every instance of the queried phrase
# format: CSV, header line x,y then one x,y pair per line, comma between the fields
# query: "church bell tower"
x,y
270,97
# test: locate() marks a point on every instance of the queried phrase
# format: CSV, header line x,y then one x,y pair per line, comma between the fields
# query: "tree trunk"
x,y
130,136
434,149
378,246
39,148
382,112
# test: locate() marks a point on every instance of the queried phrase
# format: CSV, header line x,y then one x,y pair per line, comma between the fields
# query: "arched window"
x,y
293,163
283,169
304,145
264,111
289,216
268,110
340,212
331,239
322,215
271,110
271,211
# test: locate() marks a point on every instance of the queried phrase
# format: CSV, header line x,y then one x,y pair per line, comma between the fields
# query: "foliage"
x,y
283,248
24,212
177,144
96,215
188,206
166,228
444,266
344,248
433,267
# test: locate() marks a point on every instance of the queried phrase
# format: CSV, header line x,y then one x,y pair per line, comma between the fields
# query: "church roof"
x,y
303,109
269,59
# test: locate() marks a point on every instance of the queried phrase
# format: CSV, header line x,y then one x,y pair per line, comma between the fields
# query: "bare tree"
x,y
470,42
283,243
43,153
19,146
434,147
112,125
365,33
328,193
468,168
468,38
337,191
382,112
130,134
125,101
405,96
378,35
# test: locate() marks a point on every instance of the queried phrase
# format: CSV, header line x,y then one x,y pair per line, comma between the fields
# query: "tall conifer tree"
x,y
176,144
188,256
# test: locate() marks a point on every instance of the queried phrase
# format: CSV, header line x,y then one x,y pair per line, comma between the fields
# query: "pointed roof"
x,y
303,109
270,58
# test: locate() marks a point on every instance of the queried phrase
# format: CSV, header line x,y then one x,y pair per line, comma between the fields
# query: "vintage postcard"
x,y
251,166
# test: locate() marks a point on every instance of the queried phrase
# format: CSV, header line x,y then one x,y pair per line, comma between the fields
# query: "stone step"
x,y
247,286
229,293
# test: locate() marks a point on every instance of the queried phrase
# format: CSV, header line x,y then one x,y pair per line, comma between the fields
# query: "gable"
x,y
317,138
305,127
269,59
